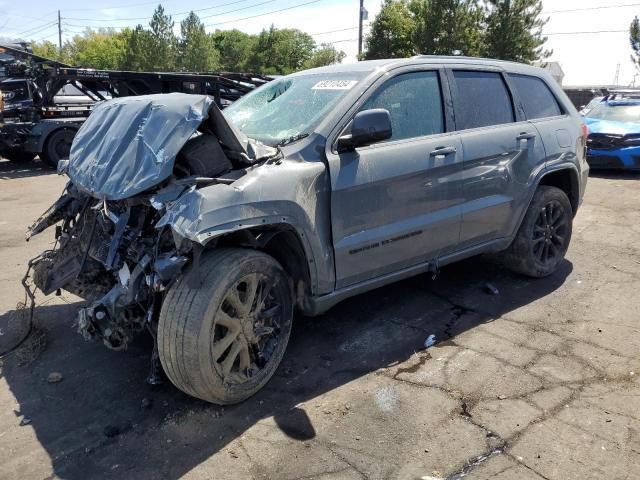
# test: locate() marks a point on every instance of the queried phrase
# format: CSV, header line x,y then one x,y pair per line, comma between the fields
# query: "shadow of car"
x,y
101,400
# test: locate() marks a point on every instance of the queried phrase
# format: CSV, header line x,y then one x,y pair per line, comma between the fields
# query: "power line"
x,y
236,19
593,8
263,14
584,33
238,9
199,10
28,17
32,21
346,40
334,31
128,5
32,31
172,14
240,1
45,37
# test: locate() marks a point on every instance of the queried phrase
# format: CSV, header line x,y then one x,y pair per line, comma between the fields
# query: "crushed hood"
x,y
129,144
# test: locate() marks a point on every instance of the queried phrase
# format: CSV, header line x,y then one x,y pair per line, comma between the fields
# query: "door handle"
x,y
526,136
442,151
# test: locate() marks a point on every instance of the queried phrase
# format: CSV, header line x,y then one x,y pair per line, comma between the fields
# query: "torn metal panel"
x,y
284,192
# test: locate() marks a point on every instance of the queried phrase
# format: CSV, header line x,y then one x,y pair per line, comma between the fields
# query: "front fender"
x,y
292,193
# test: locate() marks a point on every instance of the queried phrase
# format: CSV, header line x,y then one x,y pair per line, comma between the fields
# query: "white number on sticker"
x,y
334,85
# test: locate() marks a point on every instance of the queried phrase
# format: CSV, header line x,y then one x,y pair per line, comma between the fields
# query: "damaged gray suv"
x,y
209,229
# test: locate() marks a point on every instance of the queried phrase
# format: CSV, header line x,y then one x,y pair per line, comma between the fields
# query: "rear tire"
x,y
544,235
57,146
223,341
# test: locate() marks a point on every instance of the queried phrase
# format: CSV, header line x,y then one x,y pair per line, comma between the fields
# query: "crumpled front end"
x,y
111,248
111,254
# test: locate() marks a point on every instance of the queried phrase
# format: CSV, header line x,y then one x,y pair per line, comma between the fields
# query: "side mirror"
x,y
367,127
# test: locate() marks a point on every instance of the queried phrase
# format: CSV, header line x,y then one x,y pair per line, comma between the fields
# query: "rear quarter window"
x,y
481,99
535,96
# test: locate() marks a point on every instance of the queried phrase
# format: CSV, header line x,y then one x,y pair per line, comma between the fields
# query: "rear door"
x,y
500,150
543,110
396,203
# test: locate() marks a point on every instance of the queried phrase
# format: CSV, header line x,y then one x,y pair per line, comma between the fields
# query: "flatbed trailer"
x,y
44,123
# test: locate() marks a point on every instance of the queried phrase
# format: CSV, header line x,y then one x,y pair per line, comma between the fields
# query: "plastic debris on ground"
x,y
54,377
430,341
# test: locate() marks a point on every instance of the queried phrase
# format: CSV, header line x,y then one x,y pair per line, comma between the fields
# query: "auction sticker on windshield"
x,y
334,85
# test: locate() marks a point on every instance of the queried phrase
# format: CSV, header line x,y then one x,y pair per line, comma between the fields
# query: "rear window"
x,y
482,99
535,96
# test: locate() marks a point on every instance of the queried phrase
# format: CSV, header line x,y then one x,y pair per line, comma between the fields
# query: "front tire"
x,y
223,341
544,235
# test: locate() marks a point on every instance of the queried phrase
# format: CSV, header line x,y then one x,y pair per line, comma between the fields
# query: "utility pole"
x,y
616,78
59,35
360,15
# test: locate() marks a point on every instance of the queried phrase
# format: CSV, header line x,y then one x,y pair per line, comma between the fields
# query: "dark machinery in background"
x,y
581,96
44,102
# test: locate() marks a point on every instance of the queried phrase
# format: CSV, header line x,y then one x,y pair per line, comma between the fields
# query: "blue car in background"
x,y
614,134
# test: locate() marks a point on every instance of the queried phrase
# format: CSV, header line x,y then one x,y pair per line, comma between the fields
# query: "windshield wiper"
x,y
291,139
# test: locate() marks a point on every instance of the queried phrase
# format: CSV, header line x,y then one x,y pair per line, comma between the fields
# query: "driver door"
x,y
397,203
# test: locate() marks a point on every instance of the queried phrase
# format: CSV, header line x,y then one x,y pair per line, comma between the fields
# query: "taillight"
x,y
585,130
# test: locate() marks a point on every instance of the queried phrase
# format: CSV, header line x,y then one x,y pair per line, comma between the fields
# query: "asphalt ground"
x,y
538,381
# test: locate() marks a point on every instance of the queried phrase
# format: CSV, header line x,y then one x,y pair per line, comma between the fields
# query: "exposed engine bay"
x,y
109,253
114,247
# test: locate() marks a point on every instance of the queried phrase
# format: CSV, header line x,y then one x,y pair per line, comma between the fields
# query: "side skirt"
x,y
320,304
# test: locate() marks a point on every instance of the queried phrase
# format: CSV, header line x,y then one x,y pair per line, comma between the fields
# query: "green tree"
x,y
444,27
235,48
392,32
634,39
138,53
196,49
514,30
281,51
163,41
46,49
325,54
103,49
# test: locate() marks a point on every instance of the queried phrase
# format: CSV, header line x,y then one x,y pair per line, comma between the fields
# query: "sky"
x,y
587,58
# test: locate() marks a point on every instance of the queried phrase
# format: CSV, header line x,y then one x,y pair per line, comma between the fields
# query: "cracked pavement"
x,y
538,382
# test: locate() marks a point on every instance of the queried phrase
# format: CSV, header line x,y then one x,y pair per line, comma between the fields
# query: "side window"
x,y
536,97
414,102
482,99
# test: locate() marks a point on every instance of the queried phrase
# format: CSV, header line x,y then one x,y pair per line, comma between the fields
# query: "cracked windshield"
x,y
289,107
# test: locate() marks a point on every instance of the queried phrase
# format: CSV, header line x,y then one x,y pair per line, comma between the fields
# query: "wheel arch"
x,y
40,134
283,242
563,176
566,179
